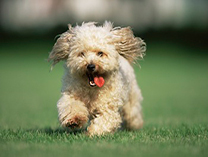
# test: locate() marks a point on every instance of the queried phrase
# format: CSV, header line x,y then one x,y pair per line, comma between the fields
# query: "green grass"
x,y
182,140
174,84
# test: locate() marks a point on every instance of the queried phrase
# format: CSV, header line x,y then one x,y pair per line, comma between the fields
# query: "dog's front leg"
x,y
72,113
106,121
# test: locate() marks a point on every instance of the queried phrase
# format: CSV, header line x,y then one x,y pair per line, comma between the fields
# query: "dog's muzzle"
x,y
94,78
91,67
90,70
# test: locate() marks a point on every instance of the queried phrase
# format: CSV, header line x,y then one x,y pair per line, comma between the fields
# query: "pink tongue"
x,y
99,81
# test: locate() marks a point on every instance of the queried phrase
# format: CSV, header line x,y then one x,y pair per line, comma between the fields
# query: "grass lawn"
x,y
174,83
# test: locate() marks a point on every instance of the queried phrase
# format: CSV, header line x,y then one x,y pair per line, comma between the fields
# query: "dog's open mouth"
x,y
95,80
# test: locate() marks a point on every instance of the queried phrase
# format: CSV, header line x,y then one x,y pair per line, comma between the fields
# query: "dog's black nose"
x,y
91,67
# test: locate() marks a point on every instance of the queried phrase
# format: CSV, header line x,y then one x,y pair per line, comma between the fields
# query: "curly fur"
x,y
117,103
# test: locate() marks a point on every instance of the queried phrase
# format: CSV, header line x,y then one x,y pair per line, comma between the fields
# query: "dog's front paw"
x,y
75,122
94,131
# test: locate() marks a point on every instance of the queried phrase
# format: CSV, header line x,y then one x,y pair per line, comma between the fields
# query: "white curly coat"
x,y
117,104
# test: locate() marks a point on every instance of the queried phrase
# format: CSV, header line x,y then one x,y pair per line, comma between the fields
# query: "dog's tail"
x,y
127,45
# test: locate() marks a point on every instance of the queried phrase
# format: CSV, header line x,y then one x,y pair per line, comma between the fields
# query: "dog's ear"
x,y
60,49
127,45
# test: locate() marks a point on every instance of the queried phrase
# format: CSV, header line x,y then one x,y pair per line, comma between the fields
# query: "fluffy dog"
x,y
99,90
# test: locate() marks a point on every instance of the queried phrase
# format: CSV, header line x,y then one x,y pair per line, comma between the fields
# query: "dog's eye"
x,y
82,54
100,53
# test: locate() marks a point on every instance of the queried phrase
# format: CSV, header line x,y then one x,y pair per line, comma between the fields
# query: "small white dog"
x,y
99,90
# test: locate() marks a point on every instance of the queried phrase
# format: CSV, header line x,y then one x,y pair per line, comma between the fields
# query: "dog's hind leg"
x,y
72,113
132,116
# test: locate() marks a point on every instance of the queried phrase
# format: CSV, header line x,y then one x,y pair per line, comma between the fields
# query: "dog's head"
x,y
92,51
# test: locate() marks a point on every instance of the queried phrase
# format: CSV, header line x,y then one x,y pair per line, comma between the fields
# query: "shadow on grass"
x,y
46,131
52,131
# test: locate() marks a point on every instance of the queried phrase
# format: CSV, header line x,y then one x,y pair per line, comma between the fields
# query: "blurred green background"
x,y
173,76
